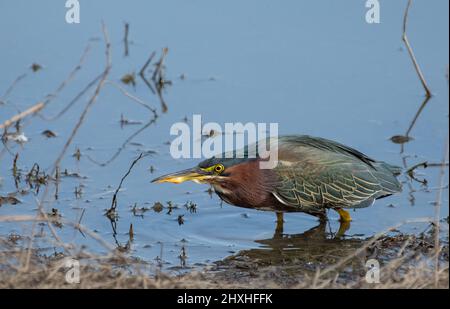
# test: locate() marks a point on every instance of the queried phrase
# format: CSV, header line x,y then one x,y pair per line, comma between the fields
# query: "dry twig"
x,y
31,110
114,198
41,211
125,39
411,53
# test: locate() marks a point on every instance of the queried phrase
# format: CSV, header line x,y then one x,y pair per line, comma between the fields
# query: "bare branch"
x,y
11,87
91,101
411,53
71,75
124,144
142,72
41,211
114,199
31,110
125,39
74,100
132,97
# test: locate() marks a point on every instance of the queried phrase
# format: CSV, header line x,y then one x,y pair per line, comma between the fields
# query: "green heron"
x,y
312,175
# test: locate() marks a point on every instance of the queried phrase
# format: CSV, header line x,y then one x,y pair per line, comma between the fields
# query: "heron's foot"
x,y
344,215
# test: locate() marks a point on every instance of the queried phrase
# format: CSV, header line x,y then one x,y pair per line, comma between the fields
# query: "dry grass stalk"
x,y
411,52
29,111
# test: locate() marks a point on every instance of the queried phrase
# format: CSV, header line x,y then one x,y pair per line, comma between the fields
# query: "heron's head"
x,y
214,171
237,181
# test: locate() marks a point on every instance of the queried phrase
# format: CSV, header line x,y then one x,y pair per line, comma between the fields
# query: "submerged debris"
x,y
49,133
183,256
55,216
14,238
158,207
180,219
125,39
15,171
112,214
54,213
9,199
78,192
77,154
131,233
170,207
411,174
66,173
124,121
139,212
19,138
128,79
35,177
36,67
401,139
191,206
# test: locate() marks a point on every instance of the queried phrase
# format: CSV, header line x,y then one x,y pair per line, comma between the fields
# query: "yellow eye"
x,y
218,168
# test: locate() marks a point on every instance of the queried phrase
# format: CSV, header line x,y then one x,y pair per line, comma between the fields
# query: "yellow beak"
x,y
194,174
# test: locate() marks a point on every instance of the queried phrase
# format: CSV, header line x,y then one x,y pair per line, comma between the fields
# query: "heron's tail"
x,y
387,177
396,170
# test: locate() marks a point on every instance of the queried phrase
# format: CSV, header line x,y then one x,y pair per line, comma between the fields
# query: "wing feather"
x,y
316,173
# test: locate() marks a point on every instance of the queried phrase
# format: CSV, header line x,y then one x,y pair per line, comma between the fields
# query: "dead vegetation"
x,y
405,263
31,181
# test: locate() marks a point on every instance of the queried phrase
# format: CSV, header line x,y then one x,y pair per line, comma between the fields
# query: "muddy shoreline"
x,y
406,261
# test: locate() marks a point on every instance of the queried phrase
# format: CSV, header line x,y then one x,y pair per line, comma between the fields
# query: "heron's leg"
x,y
343,227
280,221
344,215
344,219
322,217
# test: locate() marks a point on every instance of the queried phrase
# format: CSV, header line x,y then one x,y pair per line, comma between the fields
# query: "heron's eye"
x,y
219,168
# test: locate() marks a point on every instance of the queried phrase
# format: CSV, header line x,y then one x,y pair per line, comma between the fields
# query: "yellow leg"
x,y
280,219
344,216
343,227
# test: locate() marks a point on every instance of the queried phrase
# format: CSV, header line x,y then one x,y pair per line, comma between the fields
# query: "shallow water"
x,y
313,67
